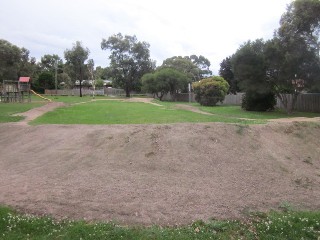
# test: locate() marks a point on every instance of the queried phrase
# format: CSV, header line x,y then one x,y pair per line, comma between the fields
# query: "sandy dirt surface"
x,y
159,174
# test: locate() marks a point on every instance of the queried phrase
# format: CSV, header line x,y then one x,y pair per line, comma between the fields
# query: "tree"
x,y
183,65
129,60
65,80
249,68
27,65
203,65
76,58
99,83
44,81
48,62
226,72
151,85
163,81
210,91
10,56
292,56
100,73
90,66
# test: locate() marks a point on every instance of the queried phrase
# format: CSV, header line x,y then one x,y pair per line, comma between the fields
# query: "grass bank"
x,y
274,225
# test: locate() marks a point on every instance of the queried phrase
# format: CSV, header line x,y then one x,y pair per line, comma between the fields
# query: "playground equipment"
x,y
16,91
40,96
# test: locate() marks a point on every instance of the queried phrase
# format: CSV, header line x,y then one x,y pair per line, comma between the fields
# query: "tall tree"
x,y
48,62
226,72
90,66
184,65
76,58
292,56
203,65
249,68
27,65
129,60
10,56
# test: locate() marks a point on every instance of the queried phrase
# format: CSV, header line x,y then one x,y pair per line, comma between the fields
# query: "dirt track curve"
x,y
163,174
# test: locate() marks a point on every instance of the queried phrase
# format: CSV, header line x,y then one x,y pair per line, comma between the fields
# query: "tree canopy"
x,y
76,58
129,60
226,72
210,91
292,56
287,64
163,81
10,58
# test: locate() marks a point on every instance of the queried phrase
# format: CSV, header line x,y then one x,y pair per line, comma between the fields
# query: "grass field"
x,y
8,109
274,225
236,111
116,112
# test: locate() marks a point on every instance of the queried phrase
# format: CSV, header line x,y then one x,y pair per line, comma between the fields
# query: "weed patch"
x,y
273,225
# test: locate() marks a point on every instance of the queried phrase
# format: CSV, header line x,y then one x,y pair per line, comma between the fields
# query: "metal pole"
x,y
189,88
56,80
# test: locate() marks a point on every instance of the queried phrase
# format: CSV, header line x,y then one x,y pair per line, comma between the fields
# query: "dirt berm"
x,y
159,174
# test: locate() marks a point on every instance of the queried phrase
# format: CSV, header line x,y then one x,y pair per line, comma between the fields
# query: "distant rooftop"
x,y
24,79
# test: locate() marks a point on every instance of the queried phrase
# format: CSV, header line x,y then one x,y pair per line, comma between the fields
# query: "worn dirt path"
x,y
158,174
37,112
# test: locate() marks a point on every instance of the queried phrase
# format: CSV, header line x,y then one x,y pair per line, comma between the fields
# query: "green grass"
x,y
7,109
274,225
116,112
236,111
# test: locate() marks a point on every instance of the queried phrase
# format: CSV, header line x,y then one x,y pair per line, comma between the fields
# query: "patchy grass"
x,y
274,225
238,112
116,112
8,109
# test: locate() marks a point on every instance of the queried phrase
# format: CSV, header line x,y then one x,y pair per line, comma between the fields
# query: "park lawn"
x,y
273,225
8,109
117,112
238,112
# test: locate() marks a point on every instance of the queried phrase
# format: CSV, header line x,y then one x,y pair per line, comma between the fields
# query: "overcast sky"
x,y
211,28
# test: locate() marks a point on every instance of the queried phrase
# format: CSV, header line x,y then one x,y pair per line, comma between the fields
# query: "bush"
x,y
210,91
254,101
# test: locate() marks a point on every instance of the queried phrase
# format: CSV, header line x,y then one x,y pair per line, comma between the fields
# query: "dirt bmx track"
x,y
159,174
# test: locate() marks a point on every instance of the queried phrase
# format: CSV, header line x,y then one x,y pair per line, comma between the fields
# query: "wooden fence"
x,y
85,91
306,102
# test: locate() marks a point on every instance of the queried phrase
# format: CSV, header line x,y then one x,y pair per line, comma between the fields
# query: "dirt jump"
x,y
159,173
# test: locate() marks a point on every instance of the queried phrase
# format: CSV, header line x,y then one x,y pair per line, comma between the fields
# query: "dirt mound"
x,y
165,174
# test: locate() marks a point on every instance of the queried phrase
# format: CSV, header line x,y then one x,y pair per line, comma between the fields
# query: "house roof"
x,y
24,79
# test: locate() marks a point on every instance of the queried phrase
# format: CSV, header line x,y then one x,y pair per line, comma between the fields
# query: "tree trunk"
x,y
81,78
127,91
173,96
80,88
160,96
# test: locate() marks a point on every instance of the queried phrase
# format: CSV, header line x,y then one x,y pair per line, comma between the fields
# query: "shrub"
x,y
210,91
254,101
